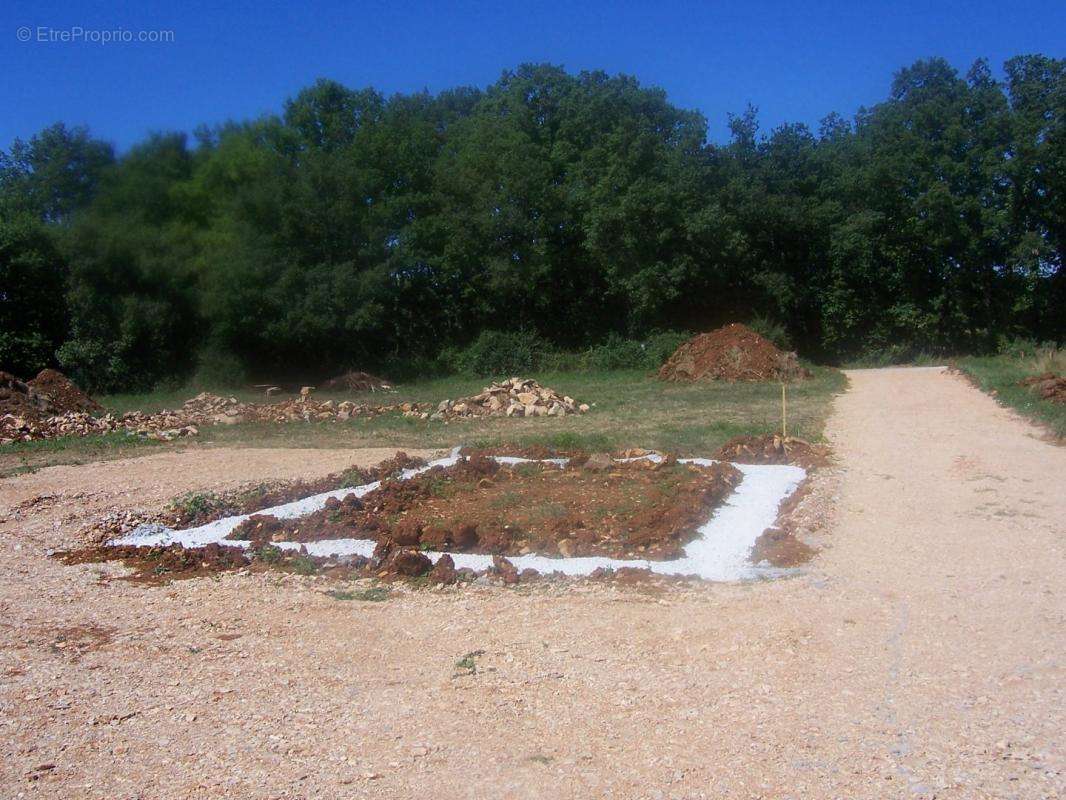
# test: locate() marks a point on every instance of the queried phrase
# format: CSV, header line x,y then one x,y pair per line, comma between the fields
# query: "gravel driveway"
x,y
919,655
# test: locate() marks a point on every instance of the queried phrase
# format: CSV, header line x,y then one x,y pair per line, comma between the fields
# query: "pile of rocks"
x,y
203,410
161,427
213,410
519,397
515,397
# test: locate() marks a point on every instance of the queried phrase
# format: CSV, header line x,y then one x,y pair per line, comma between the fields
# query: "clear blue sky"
x,y
796,61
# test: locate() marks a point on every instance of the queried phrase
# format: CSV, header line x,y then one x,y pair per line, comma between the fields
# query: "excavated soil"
x,y
731,353
1048,386
632,510
160,565
779,546
65,395
769,448
357,382
201,508
22,400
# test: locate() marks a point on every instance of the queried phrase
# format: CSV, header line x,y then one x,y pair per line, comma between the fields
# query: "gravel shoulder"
x,y
918,655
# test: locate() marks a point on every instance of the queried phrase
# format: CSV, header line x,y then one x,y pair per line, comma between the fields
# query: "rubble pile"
x,y
203,410
27,414
515,397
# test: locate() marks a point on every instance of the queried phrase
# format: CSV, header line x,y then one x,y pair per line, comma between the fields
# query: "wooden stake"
x,y
784,412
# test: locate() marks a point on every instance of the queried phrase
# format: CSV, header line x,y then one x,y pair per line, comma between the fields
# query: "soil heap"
x,y
357,382
21,400
521,397
1048,386
770,448
732,353
65,395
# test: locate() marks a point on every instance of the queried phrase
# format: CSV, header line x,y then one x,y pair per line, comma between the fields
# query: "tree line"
x,y
355,230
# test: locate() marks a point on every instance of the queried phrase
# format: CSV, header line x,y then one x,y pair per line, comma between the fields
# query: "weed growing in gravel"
x,y
303,565
196,504
342,594
269,554
375,594
468,663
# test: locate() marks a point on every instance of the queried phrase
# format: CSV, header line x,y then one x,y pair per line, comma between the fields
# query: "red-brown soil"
x,y
356,382
1048,386
779,548
248,500
629,510
771,448
158,565
64,393
22,400
731,353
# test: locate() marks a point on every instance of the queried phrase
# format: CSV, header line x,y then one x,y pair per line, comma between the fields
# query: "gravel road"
x,y
919,655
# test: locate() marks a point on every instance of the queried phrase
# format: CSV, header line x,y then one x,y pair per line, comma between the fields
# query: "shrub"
x,y
221,369
772,330
498,353
618,353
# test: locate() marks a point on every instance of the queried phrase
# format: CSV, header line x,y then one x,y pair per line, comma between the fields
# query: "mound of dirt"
x,y
1048,386
637,509
772,449
65,395
21,400
357,382
732,353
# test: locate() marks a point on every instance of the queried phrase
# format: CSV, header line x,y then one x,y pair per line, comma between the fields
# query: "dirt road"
x,y
920,655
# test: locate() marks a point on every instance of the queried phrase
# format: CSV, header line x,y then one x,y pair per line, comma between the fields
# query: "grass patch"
x,y
302,565
195,504
1001,374
629,409
375,594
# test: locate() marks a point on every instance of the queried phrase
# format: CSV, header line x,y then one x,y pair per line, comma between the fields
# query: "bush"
x,y
774,331
217,368
618,353
496,353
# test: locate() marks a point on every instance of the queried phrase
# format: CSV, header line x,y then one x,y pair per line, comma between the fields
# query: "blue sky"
x,y
796,61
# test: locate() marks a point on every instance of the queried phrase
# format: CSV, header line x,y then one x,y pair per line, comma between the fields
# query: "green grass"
x,y
629,409
1001,374
27,457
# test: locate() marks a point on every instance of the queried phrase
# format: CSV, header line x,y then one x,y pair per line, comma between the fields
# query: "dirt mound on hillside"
x,y
65,395
21,400
1048,386
732,353
357,382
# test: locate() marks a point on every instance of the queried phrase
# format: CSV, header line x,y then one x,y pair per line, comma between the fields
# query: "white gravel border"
x,y
721,553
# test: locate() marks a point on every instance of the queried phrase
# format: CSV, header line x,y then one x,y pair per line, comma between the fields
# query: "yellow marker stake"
x,y
784,413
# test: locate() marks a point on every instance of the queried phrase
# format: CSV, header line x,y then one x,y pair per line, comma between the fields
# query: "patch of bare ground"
x,y
917,657
597,507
